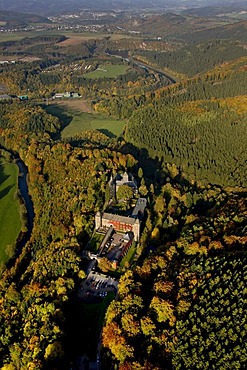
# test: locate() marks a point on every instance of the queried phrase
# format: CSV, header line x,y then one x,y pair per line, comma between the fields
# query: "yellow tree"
x,y
163,309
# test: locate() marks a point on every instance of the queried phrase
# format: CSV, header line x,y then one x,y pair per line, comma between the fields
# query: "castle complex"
x,y
123,223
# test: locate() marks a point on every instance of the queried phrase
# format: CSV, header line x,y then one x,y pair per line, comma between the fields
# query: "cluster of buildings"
x,y
122,179
67,95
119,231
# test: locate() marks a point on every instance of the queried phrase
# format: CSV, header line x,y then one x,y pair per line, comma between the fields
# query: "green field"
x,y
77,121
107,71
10,223
82,36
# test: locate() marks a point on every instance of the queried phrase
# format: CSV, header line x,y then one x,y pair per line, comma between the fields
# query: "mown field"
x,y
79,36
76,121
10,224
107,71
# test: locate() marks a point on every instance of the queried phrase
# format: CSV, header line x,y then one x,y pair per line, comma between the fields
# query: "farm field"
x,y
87,121
107,71
76,120
10,223
73,36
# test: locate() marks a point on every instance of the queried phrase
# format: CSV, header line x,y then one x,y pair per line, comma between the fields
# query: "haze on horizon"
x,y
58,6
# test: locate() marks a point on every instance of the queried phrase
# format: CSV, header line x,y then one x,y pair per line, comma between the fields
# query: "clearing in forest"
x,y
78,116
107,71
87,121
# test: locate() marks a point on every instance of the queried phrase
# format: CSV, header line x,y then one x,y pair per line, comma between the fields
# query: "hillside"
x,y
184,123
182,307
167,25
11,19
236,31
88,104
55,6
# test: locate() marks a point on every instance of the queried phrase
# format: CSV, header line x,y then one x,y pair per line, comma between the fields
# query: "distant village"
x,y
62,95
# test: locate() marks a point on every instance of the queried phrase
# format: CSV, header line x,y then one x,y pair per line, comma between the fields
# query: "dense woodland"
x,y
183,307
181,304
194,59
197,124
67,186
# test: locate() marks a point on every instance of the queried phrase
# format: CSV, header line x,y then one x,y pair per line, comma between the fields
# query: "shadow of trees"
x,y
3,178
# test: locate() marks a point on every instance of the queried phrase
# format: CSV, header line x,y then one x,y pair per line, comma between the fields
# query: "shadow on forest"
x,y
151,166
107,132
61,114
154,168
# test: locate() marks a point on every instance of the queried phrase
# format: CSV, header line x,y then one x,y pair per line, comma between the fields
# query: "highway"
x,y
141,64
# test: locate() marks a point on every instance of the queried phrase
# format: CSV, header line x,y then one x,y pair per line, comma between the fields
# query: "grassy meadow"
x,y
10,223
76,121
107,71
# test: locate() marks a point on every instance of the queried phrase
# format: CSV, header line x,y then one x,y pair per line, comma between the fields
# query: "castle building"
x,y
119,223
122,179
123,223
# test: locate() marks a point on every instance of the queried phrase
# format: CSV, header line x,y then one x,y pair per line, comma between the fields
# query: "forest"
x,y
183,306
180,301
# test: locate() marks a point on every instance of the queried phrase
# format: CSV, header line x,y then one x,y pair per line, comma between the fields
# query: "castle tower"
x,y
136,229
98,220
125,177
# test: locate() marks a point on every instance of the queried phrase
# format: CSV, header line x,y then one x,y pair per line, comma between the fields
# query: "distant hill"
x,y
209,11
167,25
14,19
58,6
189,28
236,31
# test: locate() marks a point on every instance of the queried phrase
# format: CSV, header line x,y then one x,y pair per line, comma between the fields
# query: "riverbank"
x,y
16,210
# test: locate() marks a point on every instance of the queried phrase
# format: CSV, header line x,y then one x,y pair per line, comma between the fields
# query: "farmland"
x,y
10,224
75,37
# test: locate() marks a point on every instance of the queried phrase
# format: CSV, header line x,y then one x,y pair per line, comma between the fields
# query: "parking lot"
x,y
97,285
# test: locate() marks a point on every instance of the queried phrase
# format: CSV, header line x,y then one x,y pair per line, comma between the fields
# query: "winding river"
x,y
23,188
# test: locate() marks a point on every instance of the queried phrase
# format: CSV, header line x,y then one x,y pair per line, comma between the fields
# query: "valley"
x,y
132,123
